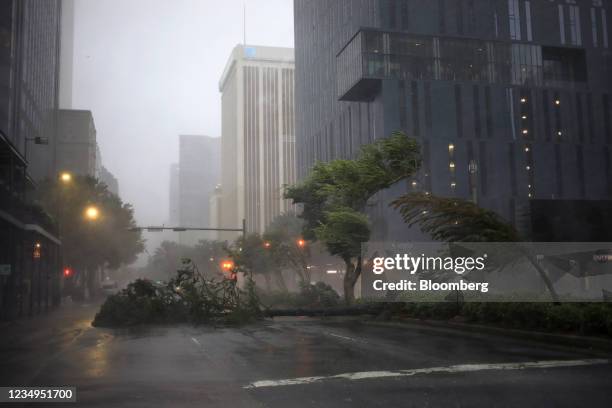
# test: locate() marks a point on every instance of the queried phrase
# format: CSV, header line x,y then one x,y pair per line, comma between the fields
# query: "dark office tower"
x,y
30,46
509,99
29,72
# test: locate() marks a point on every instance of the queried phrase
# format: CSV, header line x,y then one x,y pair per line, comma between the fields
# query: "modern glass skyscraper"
x,y
258,138
510,100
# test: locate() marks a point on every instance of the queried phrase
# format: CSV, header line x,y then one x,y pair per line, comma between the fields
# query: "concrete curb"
x,y
584,342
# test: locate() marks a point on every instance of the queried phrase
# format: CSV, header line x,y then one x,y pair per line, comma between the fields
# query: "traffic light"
x,y
67,272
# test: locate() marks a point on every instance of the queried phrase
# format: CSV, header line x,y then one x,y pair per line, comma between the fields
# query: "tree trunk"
x,y
268,282
543,275
353,271
280,281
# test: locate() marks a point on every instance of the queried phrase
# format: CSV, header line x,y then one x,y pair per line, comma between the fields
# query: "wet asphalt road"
x,y
185,366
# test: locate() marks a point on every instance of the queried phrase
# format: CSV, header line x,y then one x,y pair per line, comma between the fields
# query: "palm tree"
x,y
457,220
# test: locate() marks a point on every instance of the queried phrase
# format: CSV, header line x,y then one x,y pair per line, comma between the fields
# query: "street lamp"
x,y
92,213
267,245
65,177
301,243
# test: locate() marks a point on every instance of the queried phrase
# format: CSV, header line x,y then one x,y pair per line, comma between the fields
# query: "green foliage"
x,y
310,296
250,255
583,318
187,297
168,257
284,252
453,219
344,232
88,244
318,295
334,196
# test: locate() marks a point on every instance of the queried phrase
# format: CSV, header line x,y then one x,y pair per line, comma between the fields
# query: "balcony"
x,y
372,56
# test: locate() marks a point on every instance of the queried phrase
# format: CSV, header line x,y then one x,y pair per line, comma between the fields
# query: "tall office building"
x,y
173,195
510,100
198,175
66,54
30,44
258,137
110,180
77,148
29,72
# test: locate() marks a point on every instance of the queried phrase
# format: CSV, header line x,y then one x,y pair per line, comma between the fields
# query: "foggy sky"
x,y
149,71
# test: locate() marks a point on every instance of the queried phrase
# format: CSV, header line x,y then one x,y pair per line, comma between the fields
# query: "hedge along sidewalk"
x,y
593,344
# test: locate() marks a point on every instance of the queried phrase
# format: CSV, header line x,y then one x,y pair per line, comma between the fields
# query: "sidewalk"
x,y
596,345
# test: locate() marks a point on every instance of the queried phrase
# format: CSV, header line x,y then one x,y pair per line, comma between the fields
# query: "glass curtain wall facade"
x,y
520,89
29,70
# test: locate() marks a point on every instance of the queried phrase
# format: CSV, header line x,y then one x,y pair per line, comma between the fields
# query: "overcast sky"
x,y
149,71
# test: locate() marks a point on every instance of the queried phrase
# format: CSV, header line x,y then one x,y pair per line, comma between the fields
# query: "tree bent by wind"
x,y
335,195
456,220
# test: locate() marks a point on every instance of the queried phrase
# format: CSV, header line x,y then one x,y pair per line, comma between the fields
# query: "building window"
x,y
477,123
561,24
459,110
594,27
606,114
574,25
405,22
528,21
514,19
604,28
415,109
442,16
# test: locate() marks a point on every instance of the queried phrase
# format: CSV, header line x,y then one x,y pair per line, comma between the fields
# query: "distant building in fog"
x,y
214,205
110,180
66,54
77,149
173,203
258,138
199,158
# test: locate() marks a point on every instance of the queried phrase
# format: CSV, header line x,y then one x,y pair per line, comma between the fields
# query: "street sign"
x,y
5,269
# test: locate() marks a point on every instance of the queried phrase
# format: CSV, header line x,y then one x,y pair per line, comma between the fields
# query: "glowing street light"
x,y
65,177
301,243
92,213
267,245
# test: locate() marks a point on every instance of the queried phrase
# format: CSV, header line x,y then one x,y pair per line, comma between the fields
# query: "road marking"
x,y
345,337
196,341
461,368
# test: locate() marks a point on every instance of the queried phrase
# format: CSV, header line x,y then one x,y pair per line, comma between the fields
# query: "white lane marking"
x,y
196,341
450,369
345,337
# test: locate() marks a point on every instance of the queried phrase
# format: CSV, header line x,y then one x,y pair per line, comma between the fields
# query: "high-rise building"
x,y
258,139
509,99
173,195
66,54
198,175
77,148
110,180
29,72
30,35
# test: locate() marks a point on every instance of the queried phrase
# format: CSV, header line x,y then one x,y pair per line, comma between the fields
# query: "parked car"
x,y
110,287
